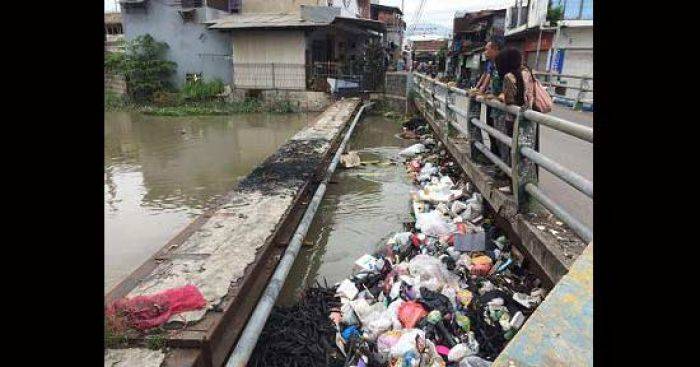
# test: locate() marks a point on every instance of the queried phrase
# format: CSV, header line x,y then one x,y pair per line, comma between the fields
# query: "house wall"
x,y
276,6
255,50
352,10
293,6
577,62
191,45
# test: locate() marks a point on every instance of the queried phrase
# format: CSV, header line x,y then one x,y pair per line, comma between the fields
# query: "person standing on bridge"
x,y
510,65
490,82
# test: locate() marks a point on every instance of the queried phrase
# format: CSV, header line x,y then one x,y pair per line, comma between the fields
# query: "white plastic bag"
x,y
432,224
379,324
407,343
458,207
365,312
347,289
458,352
413,150
349,316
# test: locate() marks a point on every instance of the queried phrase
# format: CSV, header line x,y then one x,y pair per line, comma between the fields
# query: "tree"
x,y
144,66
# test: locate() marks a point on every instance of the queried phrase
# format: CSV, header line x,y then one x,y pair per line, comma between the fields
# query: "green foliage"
x,y
114,101
113,339
114,61
248,105
284,106
144,66
201,90
155,342
555,13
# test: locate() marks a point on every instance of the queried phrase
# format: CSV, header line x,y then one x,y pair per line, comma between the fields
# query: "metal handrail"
x,y
525,157
568,76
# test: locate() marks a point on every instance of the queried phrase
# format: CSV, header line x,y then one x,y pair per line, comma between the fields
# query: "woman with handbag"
x,y
518,90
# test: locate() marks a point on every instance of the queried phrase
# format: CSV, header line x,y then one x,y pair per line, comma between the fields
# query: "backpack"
x,y
540,100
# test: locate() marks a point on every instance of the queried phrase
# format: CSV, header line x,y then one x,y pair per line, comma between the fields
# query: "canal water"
x,y
360,210
161,172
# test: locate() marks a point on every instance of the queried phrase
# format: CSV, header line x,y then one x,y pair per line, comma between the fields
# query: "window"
x,y
191,3
230,6
578,9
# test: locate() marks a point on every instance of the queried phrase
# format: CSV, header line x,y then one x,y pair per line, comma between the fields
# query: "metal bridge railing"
x,y
554,80
525,158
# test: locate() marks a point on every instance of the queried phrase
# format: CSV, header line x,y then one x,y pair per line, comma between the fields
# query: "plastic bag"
x,y
427,267
369,263
349,316
407,343
387,340
393,312
347,289
413,150
410,313
432,224
401,238
377,326
146,312
451,294
458,352
427,171
458,207
435,301
474,361
350,160
366,313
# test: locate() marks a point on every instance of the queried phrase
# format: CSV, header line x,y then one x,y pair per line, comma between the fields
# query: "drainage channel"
x,y
466,305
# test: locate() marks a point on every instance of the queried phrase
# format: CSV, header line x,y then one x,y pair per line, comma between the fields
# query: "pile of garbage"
x,y
449,291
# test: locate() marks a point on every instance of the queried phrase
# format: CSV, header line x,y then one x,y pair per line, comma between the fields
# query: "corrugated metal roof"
x,y
493,5
263,21
286,21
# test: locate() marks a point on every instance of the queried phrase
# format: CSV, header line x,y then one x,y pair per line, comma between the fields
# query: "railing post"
x,y
273,75
483,116
432,99
579,96
447,113
524,170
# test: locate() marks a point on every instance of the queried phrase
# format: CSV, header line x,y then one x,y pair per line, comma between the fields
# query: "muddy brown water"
x,y
161,172
359,211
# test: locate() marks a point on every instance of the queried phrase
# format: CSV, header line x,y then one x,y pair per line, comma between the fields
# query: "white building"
x,y
563,46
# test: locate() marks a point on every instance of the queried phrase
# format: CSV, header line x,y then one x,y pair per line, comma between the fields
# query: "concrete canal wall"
x,y
230,251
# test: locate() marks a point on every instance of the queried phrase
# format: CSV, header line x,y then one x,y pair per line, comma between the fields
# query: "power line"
x,y
418,16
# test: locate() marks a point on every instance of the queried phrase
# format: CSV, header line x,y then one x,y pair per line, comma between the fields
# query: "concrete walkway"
x,y
560,331
221,249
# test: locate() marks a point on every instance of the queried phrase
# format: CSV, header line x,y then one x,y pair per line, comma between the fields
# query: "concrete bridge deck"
x,y
560,331
231,250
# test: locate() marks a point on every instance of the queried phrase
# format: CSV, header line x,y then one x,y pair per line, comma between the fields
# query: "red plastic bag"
x,y
147,312
410,313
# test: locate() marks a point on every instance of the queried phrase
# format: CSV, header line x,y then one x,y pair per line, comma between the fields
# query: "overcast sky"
x,y
441,11
435,11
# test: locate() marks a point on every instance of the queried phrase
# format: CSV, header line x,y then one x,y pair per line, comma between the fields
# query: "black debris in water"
x,y
289,167
302,334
